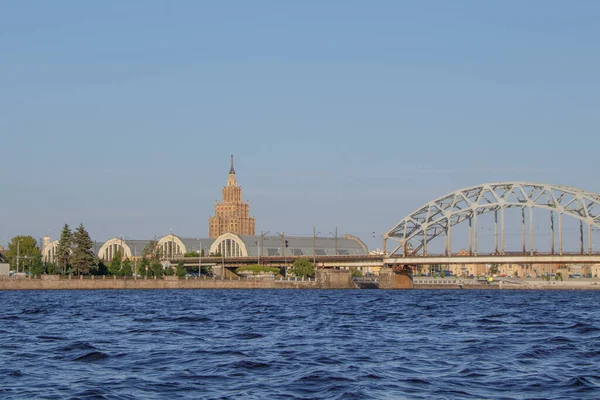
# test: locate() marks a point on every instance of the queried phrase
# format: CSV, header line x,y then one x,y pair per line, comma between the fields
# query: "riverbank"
x,y
533,284
326,281
107,283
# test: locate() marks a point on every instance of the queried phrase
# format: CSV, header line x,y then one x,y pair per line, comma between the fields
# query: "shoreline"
x,y
145,284
109,283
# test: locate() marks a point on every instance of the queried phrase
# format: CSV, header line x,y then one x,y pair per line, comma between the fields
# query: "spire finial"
x,y
232,170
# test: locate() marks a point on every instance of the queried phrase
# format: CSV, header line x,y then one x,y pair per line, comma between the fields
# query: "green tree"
x,y
37,267
157,269
303,267
152,251
82,258
181,271
126,269
52,269
356,273
143,268
116,263
558,276
169,271
27,249
63,251
493,269
99,267
258,269
442,274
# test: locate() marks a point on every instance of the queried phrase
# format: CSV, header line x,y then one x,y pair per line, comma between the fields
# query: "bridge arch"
x,y
49,252
438,217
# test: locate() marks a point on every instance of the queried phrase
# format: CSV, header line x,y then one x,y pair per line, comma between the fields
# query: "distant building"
x,y
231,234
231,245
232,215
3,258
4,269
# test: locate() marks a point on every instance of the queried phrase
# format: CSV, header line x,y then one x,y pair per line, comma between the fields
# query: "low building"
x,y
228,245
232,245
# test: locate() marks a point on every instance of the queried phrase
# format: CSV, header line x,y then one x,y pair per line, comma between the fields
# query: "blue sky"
x,y
122,115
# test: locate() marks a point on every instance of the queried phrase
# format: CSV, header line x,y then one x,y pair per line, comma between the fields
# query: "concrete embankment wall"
x,y
512,287
326,280
335,279
109,283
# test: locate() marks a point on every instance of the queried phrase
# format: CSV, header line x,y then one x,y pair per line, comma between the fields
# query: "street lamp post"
x,y
18,243
261,245
282,234
135,259
315,235
199,257
222,261
335,235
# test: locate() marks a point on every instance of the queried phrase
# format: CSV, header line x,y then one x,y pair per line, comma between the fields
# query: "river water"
x,y
296,344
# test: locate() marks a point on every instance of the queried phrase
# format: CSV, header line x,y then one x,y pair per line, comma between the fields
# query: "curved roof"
x,y
303,245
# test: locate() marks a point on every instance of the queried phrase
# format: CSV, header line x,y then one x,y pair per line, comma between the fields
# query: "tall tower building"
x,y
231,213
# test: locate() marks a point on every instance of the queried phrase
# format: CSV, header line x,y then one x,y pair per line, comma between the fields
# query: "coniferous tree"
x,y
115,265
143,267
126,269
157,269
82,257
37,267
181,271
52,268
152,251
99,267
63,251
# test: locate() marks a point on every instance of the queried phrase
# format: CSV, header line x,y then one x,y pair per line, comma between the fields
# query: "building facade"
x,y
232,215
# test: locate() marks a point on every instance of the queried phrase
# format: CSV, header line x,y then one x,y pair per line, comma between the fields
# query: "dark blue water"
x,y
291,344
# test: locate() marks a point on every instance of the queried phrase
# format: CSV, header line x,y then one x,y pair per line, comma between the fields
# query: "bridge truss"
x,y
438,217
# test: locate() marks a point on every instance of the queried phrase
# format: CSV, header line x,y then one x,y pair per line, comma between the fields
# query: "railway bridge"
x,y
435,223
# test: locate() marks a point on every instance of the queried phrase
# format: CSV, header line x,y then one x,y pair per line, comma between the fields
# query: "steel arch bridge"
x,y
438,217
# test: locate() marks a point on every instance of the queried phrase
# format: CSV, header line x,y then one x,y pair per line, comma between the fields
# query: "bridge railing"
x,y
494,254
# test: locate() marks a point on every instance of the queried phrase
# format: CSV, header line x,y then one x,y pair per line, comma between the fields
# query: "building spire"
x,y
232,170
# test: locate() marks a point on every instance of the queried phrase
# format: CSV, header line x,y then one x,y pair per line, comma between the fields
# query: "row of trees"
x,y
74,253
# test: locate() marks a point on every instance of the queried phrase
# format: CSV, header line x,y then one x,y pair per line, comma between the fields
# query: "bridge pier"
x,y
552,232
395,278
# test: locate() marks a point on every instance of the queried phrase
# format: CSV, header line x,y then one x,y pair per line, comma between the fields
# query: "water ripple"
x,y
229,344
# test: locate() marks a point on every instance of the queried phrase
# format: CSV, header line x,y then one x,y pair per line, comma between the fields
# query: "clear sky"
x,y
122,114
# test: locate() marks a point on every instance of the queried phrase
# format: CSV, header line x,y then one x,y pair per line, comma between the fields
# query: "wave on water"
x,y
226,344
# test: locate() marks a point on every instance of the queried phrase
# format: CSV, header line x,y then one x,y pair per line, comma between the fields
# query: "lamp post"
x,y
315,234
199,257
222,261
260,244
18,243
26,258
282,234
335,235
